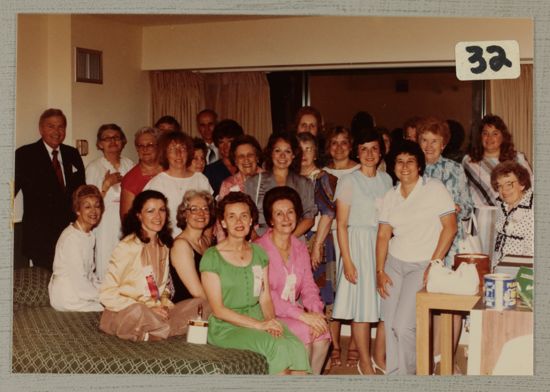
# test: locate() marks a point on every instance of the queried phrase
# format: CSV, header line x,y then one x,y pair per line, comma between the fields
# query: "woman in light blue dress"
x,y
358,200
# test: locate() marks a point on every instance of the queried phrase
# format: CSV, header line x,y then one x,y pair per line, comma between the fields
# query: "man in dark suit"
x,y
47,172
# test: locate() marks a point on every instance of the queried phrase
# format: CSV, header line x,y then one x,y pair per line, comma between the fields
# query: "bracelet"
x,y
378,271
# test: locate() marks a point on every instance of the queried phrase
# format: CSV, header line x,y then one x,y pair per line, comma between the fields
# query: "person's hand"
x,y
111,179
350,272
382,282
315,257
272,326
316,321
162,311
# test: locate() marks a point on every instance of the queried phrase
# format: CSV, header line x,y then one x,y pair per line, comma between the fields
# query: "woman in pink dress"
x,y
294,293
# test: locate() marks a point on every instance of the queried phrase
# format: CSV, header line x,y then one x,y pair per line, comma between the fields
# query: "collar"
x,y
50,150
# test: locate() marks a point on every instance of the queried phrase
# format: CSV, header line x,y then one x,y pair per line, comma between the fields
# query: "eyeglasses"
x,y
111,139
146,146
195,210
506,186
178,148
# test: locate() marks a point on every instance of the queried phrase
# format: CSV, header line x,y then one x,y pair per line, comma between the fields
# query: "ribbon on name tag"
x,y
289,291
258,279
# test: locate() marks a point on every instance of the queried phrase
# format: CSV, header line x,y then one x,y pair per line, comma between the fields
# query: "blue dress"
x,y
360,302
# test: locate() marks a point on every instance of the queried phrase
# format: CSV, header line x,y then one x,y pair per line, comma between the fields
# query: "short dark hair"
x,y
179,138
411,148
226,129
169,120
281,193
289,138
110,127
370,135
361,122
84,191
132,225
242,140
234,198
184,205
199,144
507,167
52,113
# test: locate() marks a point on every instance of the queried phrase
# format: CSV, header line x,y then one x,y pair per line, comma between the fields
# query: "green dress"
x,y
237,283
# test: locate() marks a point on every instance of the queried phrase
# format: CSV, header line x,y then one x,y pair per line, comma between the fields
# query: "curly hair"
x,y
131,223
507,149
84,191
184,205
175,137
234,198
410,148
433,125
511,167
286,137
241,140
226,129
281,193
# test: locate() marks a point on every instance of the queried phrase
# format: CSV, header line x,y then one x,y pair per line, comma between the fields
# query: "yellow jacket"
x,y
125,282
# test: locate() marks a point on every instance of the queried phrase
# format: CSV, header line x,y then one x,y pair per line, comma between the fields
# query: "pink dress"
x,y
306,291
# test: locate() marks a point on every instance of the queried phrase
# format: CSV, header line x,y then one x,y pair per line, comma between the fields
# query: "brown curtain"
x,y
512,100
179,94
241,96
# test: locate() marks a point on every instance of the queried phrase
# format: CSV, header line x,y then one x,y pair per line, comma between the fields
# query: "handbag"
x,y
471,243
463,281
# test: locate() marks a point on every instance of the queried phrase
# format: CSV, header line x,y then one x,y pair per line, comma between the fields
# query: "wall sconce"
x,y
82,146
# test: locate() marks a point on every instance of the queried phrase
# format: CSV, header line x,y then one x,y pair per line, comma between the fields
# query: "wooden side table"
x,y
425,303
490,330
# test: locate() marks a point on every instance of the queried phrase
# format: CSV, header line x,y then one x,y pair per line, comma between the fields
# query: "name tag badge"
x,y
258,280
289,291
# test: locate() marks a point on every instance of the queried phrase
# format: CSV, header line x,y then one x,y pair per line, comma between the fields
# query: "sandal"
x,y
353,358
335,359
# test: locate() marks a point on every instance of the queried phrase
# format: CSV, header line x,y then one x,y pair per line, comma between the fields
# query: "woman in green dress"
x,y
234,277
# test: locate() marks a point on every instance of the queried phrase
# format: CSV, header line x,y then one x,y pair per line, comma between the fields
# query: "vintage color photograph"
x,y
283,195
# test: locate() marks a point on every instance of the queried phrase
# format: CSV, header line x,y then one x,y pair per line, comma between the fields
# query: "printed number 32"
x,y
496,62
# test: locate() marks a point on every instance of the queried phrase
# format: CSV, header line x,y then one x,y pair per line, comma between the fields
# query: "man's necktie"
x,y
57,168
211,154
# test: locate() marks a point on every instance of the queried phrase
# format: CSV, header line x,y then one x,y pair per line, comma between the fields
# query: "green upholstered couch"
x,y
48,341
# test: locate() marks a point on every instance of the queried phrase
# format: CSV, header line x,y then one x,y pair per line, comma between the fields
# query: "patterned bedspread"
x,y
48,341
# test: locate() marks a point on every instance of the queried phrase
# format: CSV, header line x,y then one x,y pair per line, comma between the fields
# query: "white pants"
x,y
399,310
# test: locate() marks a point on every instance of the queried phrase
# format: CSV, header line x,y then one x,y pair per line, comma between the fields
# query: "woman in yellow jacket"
x,y
135,292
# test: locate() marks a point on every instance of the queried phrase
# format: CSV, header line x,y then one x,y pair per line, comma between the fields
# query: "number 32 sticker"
x,y
483,60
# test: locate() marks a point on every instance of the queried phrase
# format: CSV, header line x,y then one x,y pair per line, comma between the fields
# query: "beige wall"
x,y
43,72
45,77
124,97
306,41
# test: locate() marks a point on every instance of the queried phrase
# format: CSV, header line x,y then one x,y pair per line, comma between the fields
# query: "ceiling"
x,y
178,19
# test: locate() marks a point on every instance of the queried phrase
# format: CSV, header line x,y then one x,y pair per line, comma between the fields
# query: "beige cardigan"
x,y
125,282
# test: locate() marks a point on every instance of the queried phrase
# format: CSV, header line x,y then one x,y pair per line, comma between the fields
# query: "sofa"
x,y
48,341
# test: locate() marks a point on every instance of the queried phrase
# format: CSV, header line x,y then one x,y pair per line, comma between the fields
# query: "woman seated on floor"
x,y
234,277
134,291
74,286
295,295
